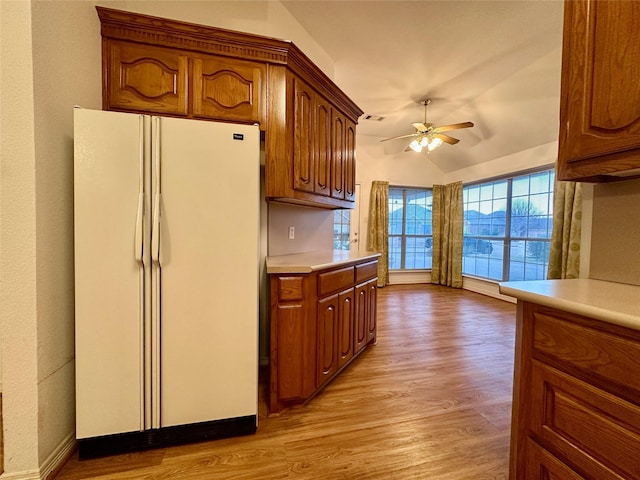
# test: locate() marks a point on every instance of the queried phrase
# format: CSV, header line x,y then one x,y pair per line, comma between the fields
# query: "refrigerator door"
x,y
109,279
208,257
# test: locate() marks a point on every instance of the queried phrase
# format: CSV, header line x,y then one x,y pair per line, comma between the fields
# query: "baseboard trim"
x,y
51,465
58,457
164,437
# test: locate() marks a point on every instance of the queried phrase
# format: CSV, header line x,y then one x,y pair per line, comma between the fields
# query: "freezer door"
x,y
208,257
108,231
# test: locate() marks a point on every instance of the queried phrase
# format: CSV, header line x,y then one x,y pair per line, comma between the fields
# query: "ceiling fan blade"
x,y
446,138
453,126
408,149
401,136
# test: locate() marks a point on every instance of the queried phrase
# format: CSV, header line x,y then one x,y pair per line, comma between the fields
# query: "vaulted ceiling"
x,y
494,63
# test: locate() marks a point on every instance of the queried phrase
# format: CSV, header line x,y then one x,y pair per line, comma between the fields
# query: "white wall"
x,y
18,266
313,229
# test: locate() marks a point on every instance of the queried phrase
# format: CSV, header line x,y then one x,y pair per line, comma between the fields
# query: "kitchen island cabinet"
x,y
576,400
323,315
168,67
600,95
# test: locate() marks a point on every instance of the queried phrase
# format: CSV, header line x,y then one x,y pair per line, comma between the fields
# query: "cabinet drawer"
x,y
573,344
290,289
594,430
366,271
335,280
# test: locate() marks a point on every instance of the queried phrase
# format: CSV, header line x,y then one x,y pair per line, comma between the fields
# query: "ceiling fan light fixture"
x,y
434,143
424,141
415,146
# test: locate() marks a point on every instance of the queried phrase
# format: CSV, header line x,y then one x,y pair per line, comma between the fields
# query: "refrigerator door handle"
x,y
138,238
155,229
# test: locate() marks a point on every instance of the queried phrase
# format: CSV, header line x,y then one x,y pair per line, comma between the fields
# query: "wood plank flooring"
x,y
430,401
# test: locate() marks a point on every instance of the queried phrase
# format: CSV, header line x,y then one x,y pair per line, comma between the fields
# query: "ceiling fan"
x,y
430,136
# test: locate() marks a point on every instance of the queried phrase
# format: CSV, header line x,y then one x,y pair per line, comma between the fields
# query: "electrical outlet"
x,y
292,233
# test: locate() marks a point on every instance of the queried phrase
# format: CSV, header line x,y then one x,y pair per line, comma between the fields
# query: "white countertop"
x,y
312,261
611,302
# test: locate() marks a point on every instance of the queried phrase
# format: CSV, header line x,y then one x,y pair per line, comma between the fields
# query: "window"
x,y
507,229
409,228
341,229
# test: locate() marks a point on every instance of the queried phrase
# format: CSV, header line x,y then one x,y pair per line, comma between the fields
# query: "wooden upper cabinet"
x,y
600,93
229,89
323,146
167,67
145,78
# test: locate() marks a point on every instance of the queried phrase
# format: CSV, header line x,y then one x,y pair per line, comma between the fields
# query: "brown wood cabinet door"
x,y
303,144
144,78
372,298
322,146
338,152
360,323
345,327
600,94
229,89
327,357
350,161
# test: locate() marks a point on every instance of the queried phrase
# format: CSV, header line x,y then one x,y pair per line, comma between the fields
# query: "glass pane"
x,y
540,182
500,189
395,252
417,255
529,260
482,258
341,229
473,193
520,186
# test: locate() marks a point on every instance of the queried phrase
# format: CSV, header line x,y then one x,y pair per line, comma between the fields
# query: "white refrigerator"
x,y
166,231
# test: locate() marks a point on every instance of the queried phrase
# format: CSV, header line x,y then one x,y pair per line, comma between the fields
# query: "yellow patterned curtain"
x,y
378,231
447,222
564,254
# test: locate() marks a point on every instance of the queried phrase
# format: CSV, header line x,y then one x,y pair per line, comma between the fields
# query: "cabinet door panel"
x,y
338,155
327,357
145,78
350,161
322,147
303,145
345,327
360,323
372,298
228,89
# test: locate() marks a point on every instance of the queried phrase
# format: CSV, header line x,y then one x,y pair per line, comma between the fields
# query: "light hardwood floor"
x,y
430,401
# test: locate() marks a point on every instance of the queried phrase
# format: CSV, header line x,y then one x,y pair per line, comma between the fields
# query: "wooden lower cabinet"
x,y
576,412
319,323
